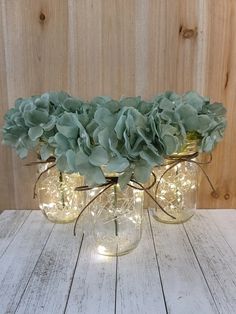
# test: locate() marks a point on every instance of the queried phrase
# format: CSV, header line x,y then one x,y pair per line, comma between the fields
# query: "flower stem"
x,y
62,192
115,206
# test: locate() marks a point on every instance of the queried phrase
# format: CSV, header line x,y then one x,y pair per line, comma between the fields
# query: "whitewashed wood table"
x,y
185,269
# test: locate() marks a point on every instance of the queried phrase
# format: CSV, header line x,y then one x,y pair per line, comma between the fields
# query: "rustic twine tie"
x,y
175,160
110,181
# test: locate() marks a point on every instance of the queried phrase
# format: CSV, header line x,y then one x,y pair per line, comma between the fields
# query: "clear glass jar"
x,y
177,190
117,219
57,198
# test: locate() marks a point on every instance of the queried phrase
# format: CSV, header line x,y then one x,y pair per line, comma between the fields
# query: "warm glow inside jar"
x,y
57,198
117,219
177,190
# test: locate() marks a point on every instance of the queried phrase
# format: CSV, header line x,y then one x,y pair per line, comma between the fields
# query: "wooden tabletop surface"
x,y
185,269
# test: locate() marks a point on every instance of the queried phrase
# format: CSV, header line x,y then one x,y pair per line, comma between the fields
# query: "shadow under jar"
x,y
117,219
177,190
55,191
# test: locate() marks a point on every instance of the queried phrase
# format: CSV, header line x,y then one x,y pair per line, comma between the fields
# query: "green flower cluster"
x,y
129,136
188,116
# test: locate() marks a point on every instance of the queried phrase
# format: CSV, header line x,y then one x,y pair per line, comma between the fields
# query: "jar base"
x,y
102,250
178,220
60,217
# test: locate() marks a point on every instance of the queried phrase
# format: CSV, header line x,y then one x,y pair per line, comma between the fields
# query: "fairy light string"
x,y
111,181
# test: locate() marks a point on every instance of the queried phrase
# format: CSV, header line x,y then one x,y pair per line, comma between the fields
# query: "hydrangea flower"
x,y
191,115
129,136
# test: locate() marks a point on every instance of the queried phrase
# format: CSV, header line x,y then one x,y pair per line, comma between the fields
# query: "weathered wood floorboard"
x,y
93,287
176,269
217,260
183,282
10,223
49,285
19,260
138,283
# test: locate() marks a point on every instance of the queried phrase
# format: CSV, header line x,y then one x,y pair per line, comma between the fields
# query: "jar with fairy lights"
x,y
117,218
176,190
56,194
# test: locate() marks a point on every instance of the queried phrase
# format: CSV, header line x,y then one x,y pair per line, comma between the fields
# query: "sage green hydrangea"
x,y
188,116
129,136
31,124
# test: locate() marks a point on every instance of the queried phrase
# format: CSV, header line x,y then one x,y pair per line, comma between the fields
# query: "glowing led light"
x,y
117,218
102,249
177,191
57,197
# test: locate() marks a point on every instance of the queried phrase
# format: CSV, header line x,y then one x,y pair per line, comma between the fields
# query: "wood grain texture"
x,y
10,223
93,286
185,288
134,47
85,48
226,222
142,292
186,268
219,82
19,260
217,260
49,285
6,168
36,61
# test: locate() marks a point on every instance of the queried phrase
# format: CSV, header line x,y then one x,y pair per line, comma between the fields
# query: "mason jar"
x,y
58,200
117,219
177,186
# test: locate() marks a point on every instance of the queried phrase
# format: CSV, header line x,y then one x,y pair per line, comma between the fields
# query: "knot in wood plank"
x,y
227,196
188,33
42,17
215,194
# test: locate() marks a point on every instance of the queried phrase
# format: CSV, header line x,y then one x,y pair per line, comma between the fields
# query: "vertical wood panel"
x,y
85,48
219,83
167,31
36,61
134,47
6,172
118,48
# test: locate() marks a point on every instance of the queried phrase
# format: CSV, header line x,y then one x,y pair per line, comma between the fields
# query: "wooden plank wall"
x,y
119,47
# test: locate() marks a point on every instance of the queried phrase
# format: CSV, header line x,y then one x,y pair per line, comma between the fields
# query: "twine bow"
x,y
110,181
175,160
